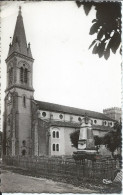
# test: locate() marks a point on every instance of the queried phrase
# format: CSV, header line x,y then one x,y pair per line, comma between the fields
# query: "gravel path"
x,y
14,182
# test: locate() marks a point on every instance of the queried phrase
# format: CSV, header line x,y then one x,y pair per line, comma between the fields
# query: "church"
x,y
32,127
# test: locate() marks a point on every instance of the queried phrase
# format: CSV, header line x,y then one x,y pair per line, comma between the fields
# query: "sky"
x,y
64,71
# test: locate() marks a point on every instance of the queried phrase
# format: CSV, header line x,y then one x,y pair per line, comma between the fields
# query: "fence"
x,y
69,169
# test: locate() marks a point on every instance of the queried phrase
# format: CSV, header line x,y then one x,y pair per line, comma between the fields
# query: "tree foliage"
x,y
113,139
74,137
98,140
106,26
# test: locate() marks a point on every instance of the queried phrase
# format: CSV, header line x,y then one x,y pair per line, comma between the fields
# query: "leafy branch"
x,y
106,26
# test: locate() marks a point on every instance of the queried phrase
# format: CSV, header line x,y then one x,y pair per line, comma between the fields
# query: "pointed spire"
x,y
19,43
19,13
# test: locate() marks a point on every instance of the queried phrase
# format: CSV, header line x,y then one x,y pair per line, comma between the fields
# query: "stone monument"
x,y
86,145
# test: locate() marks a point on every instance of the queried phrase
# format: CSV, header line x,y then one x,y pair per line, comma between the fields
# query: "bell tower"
x,y
19,93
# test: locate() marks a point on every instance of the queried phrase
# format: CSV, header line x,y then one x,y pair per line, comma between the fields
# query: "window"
x,y
25,75
53,147
53,134
57,134
43,114
105,122
61,116
24,101
111,123
95,121
21,74
23,152
57,147
79,119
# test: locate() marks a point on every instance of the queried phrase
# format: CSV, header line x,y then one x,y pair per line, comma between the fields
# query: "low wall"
x,y
65,168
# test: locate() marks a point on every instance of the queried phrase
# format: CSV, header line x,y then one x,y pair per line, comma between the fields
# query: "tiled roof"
x,y
70,110
101,128
64,124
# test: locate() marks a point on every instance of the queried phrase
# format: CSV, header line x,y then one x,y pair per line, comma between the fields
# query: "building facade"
x,y
33,127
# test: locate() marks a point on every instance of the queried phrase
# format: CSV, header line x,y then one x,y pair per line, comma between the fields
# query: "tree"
x,y
74,137
113,139
106,26
98,141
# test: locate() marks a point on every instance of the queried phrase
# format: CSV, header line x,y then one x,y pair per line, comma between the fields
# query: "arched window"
x,y
61,116
57,147
95,121
57,134
24,101
53,147
79,119
23,152
54,134
43,114
21,74
25,75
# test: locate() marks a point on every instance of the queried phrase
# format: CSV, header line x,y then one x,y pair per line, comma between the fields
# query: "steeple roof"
x,y
19,43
